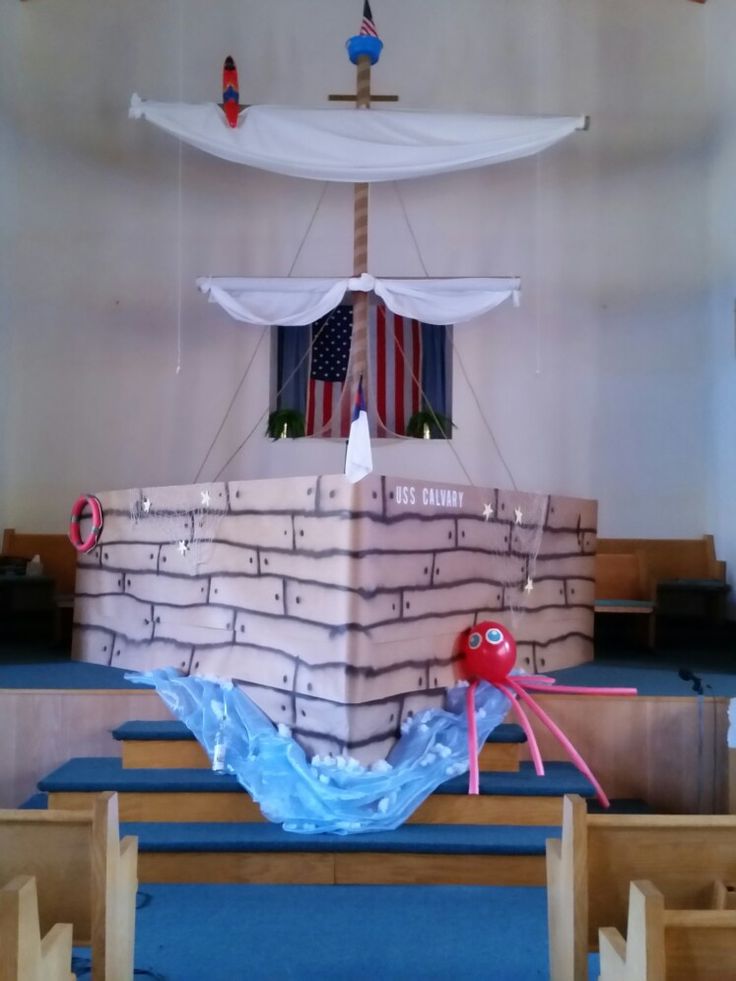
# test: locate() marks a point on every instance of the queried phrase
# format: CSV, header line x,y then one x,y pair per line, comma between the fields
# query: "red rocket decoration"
x,y
230,92
489,651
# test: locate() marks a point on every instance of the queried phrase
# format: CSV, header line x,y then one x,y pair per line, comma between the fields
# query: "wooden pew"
x,y
622,587
668,944
24,956
590,868
682,571
58,556
59,560
85,876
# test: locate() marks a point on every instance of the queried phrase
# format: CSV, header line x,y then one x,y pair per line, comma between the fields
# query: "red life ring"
x,y
75,536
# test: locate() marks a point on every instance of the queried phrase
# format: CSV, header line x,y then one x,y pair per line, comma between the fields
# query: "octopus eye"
x,y
474,641
494,635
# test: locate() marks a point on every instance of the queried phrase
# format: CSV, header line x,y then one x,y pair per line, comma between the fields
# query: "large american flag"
x,y
393,387
367,26
395,370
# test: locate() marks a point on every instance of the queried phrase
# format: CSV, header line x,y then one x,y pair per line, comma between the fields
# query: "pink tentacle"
x,y
574,689
526,726
537,679
473,778
561,738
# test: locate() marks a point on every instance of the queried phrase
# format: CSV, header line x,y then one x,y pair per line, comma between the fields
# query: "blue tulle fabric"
x,y
326,794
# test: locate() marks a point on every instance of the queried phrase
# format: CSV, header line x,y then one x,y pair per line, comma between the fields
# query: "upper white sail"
x,y
357,145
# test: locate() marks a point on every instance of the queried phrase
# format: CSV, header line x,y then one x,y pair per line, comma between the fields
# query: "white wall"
x,y
722,430
613,380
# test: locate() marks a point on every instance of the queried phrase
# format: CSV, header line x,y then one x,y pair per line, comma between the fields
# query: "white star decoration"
x,y
518,516
205,498
146,505
183,547
487,511
528,585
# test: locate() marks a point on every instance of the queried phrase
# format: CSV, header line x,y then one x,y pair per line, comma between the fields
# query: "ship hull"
x,y
334,606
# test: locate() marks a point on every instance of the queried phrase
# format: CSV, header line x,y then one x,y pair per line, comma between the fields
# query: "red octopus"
x,y
489,651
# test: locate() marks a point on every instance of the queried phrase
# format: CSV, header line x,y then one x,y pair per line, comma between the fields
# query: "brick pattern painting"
x,y
335,606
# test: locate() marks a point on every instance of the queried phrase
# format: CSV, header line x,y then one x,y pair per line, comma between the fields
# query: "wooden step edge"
x,y
238,806
370,868
167,754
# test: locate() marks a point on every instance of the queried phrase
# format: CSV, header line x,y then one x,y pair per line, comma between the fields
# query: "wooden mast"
x,y
364,51
359,342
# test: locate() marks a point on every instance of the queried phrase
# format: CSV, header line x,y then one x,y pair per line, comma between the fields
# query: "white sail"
x,y
357,145
295,301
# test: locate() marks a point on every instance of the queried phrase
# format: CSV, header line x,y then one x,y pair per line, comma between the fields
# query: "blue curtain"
x,y
291,383
435,383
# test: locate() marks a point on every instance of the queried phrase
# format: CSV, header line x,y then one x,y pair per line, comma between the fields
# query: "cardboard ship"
x,y
335,606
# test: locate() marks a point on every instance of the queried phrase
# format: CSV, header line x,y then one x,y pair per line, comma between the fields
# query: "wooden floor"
x,y
41,729
669,751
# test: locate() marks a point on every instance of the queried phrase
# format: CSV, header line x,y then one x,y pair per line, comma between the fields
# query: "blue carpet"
x,y
655,675
559,778
55,673
445,839
342,933
84,774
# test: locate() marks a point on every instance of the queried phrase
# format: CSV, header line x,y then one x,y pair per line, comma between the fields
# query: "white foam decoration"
x,y
381,766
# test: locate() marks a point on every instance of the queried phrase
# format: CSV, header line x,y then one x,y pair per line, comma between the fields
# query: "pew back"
x,y
24,956
663,944
621,576
622,586
57,554
85,876
590,868
671,558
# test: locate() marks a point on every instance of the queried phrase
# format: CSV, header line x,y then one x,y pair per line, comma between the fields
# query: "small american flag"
x,y
359,456
326,415
367,26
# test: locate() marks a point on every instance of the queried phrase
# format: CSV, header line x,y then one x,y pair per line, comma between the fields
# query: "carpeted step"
x,y
170,744
201,795
36,802
171,729
413,853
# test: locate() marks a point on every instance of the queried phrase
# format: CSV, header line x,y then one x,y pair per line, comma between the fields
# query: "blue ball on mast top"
x,y
364,44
